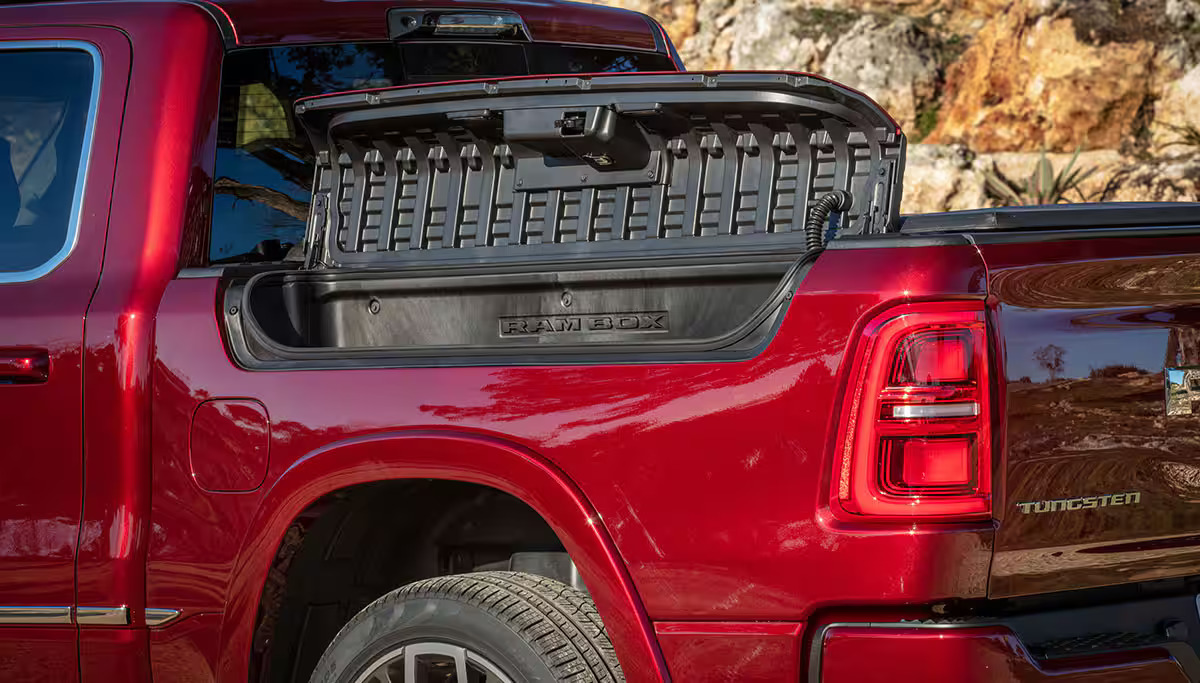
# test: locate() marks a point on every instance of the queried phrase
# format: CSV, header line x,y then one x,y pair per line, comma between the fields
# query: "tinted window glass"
x,y
556,59
45,100
445,61
264,160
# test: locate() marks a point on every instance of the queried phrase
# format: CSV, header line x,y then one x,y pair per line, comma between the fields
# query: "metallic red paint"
x,y
43,422
856,654
114,654
750,652
229,445
187,651
1119,310
24,366
761,429
171,108
39,653
437,454
299,481
172,95
722,511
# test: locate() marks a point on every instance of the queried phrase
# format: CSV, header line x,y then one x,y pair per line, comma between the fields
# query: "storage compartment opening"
x,y
331,314
613,217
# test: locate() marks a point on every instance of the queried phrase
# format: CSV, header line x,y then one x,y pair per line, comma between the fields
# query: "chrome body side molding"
x,y
102,616
35,615
83,616
157,616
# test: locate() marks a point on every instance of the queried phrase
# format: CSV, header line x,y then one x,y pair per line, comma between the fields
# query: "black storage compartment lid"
x,y
587,167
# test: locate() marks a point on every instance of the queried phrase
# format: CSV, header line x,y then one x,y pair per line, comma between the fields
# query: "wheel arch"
x,y
453,456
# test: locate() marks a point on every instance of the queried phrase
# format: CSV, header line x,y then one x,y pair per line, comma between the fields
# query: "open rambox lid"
x,y
600,166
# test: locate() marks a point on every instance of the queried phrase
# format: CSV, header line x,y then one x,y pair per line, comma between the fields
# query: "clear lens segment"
x,y
476,24
933,411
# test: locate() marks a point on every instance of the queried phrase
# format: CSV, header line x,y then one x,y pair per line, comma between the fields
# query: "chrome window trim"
x,y
35,615
102,616
73,223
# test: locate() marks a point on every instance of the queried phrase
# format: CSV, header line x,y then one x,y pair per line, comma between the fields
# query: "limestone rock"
x,y
771,36
1182,13
678,17
1021,86
762,34
1156,181
1004,79
941,178
708,48
914,8
890,60
950,178
1171,62
1177,111
965,10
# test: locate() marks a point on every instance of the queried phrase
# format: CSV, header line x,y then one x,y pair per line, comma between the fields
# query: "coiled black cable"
x,y
814,227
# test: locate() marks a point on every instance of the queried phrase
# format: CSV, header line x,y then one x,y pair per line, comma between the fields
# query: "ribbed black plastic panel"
x,y
1096,642
692,167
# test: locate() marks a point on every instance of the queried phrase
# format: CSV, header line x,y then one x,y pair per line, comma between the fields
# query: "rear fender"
x,y
471,458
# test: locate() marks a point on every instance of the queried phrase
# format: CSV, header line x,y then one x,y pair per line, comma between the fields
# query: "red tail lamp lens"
x,y
916,441
945,464
933,357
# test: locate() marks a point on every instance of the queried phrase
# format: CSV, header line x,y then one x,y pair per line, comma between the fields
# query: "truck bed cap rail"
x,y
1055,216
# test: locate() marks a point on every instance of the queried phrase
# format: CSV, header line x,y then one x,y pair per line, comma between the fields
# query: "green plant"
x,y
1043,186
1189,136
950,48
927,120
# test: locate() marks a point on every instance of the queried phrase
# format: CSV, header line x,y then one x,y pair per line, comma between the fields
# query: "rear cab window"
x,y
265,164
45,138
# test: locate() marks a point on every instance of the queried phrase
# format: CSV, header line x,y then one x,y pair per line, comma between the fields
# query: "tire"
x,y
508,625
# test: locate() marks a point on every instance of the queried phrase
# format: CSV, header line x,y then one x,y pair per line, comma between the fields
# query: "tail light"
x,y
915,440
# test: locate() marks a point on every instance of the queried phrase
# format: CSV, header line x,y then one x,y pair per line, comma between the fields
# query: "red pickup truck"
x,y
473,341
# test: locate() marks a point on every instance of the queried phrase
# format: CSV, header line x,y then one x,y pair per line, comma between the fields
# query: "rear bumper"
x,y
899,653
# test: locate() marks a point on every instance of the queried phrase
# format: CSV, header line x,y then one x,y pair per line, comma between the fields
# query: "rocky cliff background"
x,y
984,87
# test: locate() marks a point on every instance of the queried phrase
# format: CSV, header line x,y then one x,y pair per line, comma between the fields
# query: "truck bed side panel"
x,y
711,478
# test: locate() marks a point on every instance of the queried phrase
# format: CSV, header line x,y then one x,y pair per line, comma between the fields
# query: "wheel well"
x,y
356,544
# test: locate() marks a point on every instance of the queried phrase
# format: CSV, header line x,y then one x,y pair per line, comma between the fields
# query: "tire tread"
x,y
559,623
